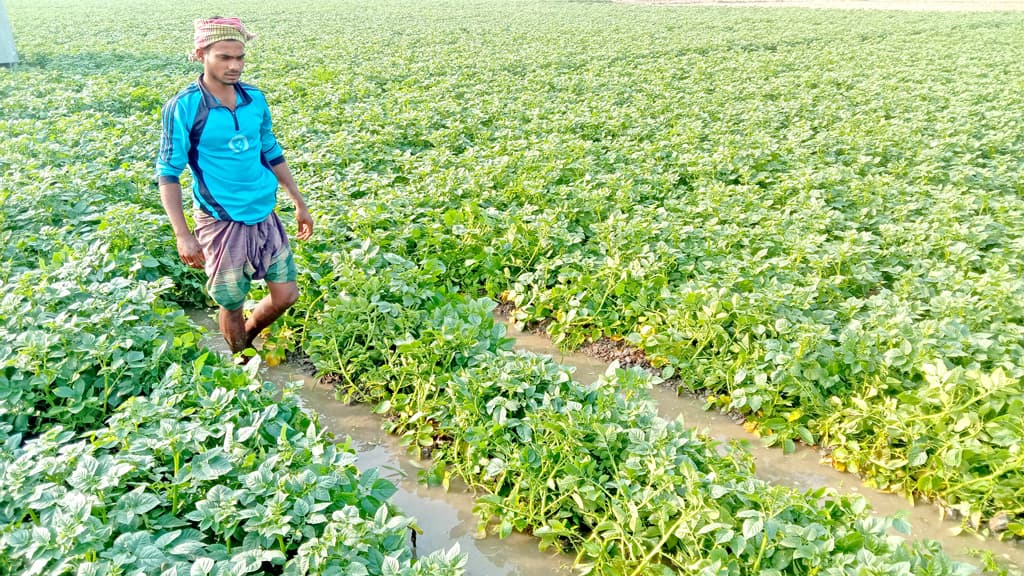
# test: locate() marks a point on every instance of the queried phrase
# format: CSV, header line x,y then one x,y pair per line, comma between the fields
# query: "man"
x,y
220,128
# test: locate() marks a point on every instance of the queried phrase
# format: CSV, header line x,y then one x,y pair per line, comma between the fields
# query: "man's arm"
x,y
189,250
170,162
302,217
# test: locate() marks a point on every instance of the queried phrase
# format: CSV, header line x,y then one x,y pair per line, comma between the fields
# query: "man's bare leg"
x,y
270,308
232,326
240,333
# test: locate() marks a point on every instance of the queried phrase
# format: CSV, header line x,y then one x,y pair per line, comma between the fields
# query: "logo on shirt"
x,y
239,144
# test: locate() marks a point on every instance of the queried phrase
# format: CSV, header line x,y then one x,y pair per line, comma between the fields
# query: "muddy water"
x,y
446,518
803,469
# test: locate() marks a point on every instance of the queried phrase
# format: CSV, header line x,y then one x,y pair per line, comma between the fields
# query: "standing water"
x,y
802,470
447,518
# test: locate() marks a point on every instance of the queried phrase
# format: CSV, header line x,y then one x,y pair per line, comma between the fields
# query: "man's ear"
x,y
199,54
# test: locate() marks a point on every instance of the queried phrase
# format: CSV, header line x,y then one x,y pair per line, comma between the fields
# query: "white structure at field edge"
x,y
8,55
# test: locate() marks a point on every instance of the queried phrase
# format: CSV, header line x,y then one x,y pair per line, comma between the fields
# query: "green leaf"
x,y
202,567
210,465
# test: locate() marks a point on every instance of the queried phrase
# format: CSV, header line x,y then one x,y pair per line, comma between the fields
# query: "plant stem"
x,y
664,538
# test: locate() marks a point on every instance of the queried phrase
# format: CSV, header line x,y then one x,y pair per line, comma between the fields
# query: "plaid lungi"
x,y
237,253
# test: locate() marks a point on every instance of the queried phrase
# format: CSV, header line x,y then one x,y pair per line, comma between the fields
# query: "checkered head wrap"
x,y
210,30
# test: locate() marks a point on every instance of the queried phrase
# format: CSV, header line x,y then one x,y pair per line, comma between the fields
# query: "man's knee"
x,y
284,295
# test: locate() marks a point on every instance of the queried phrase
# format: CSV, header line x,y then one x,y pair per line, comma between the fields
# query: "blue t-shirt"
x,y
230,152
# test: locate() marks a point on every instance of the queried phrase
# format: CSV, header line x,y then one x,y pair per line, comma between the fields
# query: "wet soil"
x,y
446,518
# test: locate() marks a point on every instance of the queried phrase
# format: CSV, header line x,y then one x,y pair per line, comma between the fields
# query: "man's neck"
x,y
224,92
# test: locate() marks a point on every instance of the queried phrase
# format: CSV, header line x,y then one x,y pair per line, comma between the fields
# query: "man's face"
x,y
223,61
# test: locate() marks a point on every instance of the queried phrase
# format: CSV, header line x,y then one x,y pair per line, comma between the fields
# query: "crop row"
x,y
588,469
812,217
129,450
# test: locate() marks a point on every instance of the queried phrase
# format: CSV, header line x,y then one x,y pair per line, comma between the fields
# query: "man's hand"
x,y
190,251
305,222
287,181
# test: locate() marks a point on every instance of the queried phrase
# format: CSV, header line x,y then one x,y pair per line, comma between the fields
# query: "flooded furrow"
x,y
447,517
802,470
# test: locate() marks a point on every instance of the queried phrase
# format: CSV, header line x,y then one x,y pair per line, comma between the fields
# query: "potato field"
x,y
813,218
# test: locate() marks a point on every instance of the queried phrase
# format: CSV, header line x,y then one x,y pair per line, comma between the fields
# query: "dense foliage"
x,y
129,450
807,214
812,215
125,449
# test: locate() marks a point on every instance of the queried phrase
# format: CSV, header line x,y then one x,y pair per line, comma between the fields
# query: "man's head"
x,y
223,61
220,46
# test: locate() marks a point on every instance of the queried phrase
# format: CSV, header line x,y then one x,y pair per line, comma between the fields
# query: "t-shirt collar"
x,y
211,101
